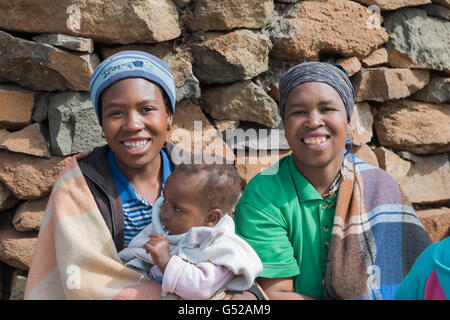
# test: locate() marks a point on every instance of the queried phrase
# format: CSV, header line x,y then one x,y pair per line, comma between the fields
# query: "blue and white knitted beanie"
x,y
131,64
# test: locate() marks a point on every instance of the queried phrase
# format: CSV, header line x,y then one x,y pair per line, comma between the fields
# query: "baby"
x,y
191,245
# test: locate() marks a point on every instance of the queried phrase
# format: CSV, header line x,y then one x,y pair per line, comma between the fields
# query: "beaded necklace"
x,y
334,188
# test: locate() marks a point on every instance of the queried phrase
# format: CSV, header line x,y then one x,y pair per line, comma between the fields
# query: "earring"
x,y
169,126
348,142
103,135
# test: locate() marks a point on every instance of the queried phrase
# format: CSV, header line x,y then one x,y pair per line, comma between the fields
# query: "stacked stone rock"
x,y
227,57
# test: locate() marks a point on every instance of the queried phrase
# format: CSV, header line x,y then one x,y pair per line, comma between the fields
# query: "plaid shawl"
x,y
75,256
376,235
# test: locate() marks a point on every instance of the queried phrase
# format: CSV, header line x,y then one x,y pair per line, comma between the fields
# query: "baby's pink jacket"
x,y
193,281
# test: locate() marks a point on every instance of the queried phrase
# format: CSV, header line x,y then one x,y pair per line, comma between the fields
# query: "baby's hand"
x,y
159,249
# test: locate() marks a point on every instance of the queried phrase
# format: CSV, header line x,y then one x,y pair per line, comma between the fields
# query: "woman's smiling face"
x,y
316,125
134,121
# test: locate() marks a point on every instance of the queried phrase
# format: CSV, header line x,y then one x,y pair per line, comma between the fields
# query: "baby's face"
x,y
182,207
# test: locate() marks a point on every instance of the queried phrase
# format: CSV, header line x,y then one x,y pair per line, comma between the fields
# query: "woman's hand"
x,y
281,289
159,249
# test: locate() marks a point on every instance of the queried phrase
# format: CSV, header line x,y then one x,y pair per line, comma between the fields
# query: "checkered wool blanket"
x,y
75,256
376,235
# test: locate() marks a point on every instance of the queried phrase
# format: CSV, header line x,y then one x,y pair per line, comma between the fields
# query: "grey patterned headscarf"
x,y
331,74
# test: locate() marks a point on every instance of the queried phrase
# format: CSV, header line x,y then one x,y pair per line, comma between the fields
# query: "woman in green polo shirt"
x,y
325,223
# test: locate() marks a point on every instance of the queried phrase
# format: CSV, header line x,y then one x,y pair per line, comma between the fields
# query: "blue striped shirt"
x,y
137,211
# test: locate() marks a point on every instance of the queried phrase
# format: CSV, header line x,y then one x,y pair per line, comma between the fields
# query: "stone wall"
x,y
227,57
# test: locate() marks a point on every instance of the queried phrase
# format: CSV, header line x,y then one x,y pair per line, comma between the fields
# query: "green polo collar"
x,y
304,188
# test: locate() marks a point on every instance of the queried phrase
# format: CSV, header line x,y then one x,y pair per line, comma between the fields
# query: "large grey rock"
x,y
43,67
228,14
417,40
241,100
437,91
73,124
105,21
238,55
41,108
66,42
279,26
